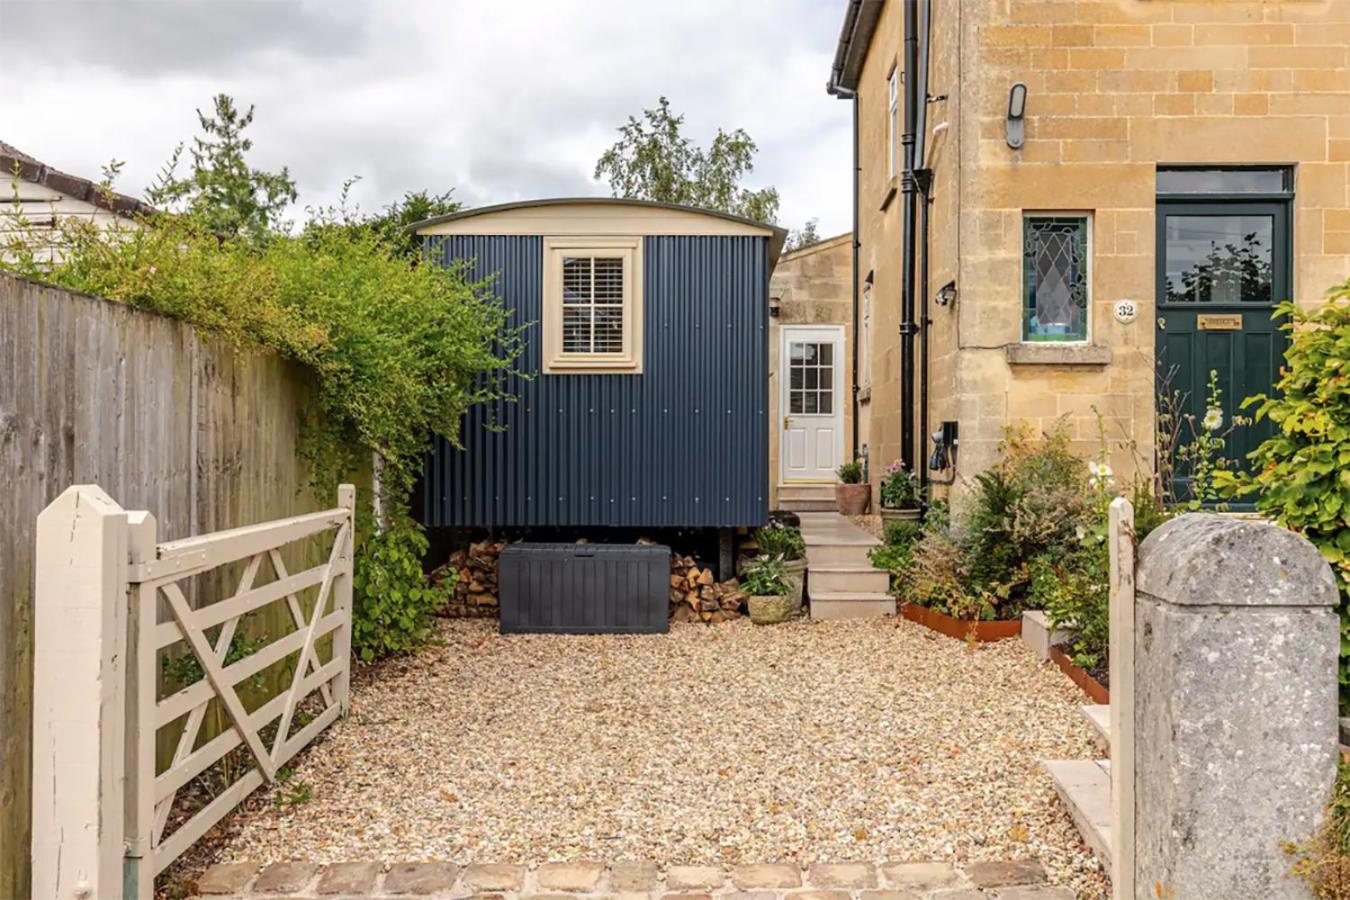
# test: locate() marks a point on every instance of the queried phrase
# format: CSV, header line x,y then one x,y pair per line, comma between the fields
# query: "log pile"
x,y
476,591
697,596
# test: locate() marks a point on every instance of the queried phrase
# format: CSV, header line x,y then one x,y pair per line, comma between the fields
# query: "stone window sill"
x,y
1058,355
892,187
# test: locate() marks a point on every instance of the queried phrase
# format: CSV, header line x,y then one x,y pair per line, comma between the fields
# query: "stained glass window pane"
x,y
1055,278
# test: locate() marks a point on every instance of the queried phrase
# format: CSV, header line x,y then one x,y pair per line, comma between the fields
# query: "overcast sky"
x,y
499,99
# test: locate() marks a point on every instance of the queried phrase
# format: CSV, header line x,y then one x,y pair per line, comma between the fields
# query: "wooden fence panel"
x,y
93,391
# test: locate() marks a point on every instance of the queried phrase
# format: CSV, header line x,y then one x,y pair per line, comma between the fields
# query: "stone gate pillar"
x,y
1235,734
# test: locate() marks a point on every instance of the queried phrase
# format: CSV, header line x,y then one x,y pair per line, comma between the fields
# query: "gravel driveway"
x,y
812,741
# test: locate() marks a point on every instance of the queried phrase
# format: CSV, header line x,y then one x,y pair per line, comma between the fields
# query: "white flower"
x,y
1213,420
1099,472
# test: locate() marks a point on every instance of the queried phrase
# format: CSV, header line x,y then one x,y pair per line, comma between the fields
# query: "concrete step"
x,y
806,504
848,579
833,529
850,605
1084,786
837,556
816,489
1099,716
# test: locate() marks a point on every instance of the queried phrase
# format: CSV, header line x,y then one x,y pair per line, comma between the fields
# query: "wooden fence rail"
x,y
111,606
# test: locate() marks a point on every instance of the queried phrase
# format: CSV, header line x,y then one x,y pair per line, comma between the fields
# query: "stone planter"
x,y
794,571
888,515
770,610
962,629
852,499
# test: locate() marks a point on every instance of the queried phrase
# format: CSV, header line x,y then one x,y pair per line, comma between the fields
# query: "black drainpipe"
x,y
908,188
924,177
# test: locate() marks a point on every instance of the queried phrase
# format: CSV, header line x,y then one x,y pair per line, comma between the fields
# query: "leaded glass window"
x,y
1055,278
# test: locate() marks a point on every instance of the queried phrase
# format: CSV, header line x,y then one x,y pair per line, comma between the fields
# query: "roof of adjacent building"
x,y
860,21
35,171
599,215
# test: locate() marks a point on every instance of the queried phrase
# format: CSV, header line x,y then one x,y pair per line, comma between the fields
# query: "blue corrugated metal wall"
x,y
683,444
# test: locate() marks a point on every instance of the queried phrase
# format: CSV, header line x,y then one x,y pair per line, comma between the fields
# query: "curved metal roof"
x,y
777,235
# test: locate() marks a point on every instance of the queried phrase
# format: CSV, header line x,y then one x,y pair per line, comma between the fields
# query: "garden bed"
x,y
1085,680
962,629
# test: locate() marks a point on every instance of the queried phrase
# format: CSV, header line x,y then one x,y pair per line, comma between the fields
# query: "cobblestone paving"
x,y
1022,879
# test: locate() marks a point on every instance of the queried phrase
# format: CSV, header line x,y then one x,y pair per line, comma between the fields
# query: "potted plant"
x,y
769,602
852,494
784,543
899,491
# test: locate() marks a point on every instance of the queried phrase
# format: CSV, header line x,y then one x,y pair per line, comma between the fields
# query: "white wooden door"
x,y
811,363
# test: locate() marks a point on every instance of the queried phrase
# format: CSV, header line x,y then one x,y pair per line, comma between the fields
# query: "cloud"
x,y
499,100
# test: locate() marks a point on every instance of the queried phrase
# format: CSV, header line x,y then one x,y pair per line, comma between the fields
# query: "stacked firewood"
x,y
697,596
476,589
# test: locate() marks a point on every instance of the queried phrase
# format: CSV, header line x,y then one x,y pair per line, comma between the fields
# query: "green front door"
x,y
1222,266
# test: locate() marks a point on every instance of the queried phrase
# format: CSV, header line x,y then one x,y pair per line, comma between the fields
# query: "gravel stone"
x,y
1002,874
420,878
808,742
853,876
228,878
349,878
574,876
766,876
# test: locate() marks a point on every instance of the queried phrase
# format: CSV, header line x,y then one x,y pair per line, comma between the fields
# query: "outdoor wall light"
x,y
1017,108
775,306
946,294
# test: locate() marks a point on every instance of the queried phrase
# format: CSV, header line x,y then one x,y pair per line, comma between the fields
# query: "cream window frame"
x,y
893,122
555,360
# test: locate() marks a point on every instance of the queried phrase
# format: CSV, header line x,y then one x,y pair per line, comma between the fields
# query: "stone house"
x,y
1065,207
811,372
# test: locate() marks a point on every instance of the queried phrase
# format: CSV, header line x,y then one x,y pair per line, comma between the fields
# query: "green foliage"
x,y
185,670
850,472
390,225
801,238
897,553
764,577
1036,499
1302,476
1323,862
652,160
902,533
899,487
393,602
222,192
937,577
397,351
781,541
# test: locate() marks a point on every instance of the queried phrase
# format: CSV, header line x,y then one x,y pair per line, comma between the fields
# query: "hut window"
x,y
592,320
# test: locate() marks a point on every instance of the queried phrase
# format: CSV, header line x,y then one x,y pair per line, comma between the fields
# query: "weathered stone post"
x,y
1235,740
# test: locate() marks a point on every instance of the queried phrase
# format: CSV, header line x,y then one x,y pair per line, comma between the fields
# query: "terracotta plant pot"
x,y
794,571
1089,685
770,610
852,499
962,629
889,514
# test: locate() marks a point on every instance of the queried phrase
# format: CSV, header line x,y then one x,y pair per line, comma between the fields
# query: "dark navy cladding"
x,y
684,444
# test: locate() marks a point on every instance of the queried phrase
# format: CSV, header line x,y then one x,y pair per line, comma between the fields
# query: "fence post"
x,y
79,626
1235,693
142,685
1121,655
342,599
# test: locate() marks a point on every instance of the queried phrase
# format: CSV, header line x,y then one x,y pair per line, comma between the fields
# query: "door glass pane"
x,y
811,403
826,403
1220,259
795,403
811,378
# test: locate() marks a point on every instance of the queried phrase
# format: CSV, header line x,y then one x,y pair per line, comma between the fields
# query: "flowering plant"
x,y
899,487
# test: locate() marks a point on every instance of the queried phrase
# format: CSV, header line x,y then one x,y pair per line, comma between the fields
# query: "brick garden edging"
x,y
1014,880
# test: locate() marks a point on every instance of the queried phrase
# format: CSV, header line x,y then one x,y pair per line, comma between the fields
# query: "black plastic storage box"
x,y
584,588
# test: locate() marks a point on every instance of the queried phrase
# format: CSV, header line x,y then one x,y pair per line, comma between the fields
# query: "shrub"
x,y
1302,476
850,472
900,488
781,541
896,554
1036,499
392,601
937,577
1324,860
764,577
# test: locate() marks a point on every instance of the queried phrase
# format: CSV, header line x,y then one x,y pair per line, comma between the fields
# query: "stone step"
x,y
1084,786
848,579
837,556
807,489
850,605
807,504
1099,716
